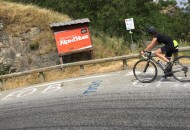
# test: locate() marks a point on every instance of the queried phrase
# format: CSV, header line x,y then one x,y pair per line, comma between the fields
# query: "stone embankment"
x,y
16,54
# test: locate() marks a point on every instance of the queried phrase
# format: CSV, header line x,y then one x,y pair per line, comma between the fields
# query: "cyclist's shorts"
x,y
169,49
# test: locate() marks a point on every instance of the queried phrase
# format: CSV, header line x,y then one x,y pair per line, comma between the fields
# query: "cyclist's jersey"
x,y
162,38
170,44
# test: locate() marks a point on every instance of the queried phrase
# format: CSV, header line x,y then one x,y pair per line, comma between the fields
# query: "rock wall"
x,y
16,54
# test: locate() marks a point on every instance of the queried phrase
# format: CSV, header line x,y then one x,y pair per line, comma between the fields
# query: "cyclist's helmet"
x,y
151,30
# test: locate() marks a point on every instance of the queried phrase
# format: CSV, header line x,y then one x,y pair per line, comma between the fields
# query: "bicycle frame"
x,y
147,75
150,58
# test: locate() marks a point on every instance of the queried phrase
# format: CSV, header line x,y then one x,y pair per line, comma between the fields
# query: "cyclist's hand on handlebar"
x,y
142,53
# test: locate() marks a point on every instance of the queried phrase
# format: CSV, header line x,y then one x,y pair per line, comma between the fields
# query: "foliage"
x,y
169,2
108,17
34,46
4,69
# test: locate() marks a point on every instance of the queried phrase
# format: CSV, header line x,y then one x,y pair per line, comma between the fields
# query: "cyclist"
x,y
168,49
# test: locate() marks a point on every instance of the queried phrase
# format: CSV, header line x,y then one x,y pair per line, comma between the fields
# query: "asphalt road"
x,y
109,101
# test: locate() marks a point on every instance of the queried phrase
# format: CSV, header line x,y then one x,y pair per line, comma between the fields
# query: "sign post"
x,y
130,25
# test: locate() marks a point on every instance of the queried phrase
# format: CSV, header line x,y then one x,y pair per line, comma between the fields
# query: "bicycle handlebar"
x,y
146,54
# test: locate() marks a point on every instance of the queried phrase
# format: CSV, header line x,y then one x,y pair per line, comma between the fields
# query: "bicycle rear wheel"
x,y
145,71
181,69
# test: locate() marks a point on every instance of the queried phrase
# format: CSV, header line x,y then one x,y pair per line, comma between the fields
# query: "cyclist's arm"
x,y
151,45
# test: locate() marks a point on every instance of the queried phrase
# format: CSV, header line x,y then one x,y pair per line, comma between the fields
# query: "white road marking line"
x,y
52,87
27,92
71,80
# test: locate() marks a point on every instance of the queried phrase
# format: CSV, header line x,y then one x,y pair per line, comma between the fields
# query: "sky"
x,y
178,2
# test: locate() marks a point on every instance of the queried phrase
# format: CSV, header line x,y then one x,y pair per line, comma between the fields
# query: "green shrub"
x,y
34,46
4,69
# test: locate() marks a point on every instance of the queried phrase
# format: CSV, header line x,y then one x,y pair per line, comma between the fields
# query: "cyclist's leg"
x,y
168,55
168,68
169,50
159,53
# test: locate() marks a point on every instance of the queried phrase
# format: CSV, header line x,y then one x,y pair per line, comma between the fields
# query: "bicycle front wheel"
x,y
181,69
145,71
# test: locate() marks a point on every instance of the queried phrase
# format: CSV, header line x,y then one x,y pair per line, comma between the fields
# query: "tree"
x,y
108,17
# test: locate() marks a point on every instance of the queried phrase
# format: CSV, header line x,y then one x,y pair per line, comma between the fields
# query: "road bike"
x,y
146,70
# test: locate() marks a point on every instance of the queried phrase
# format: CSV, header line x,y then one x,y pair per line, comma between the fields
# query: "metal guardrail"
x,y
124,58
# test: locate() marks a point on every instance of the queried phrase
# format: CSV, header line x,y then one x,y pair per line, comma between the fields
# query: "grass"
x,y
19,18
69,72
110,46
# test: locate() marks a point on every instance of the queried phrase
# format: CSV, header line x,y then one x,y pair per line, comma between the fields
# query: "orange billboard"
x,y
69,41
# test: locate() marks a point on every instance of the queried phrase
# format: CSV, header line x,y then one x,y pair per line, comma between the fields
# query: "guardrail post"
x,y
81,69
41,77
61,59
124,64
1,84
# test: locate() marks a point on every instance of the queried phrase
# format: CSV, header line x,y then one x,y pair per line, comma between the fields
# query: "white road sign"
x,y
129,24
